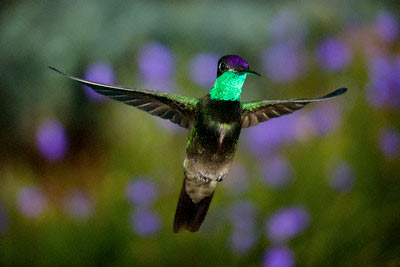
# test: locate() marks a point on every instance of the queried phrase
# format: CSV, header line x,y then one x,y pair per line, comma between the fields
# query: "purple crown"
x,y
234,61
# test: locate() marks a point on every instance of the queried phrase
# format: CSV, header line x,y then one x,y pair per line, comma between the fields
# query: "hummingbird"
x,y
214,123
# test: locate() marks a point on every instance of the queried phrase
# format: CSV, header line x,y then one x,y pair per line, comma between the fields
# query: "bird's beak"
x,y
251,72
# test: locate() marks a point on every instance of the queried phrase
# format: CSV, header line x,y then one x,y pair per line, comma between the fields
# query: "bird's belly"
x,y
209,157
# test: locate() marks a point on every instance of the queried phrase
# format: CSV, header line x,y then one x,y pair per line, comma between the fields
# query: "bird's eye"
x,y
222,67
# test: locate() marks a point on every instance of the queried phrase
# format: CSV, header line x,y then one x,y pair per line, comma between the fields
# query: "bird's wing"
x,y
173,107
259,111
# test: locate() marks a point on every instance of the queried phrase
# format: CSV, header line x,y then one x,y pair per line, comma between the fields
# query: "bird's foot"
x,y
204,178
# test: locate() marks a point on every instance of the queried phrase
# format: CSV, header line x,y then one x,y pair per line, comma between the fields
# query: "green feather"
x,y
228,86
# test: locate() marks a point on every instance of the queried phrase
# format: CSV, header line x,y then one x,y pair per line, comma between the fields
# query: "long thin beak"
x,y
251,72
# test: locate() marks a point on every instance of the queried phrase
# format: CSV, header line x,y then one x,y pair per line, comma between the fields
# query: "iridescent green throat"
x,y
228,86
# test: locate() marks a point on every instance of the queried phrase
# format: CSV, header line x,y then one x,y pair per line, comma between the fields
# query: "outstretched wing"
x,y
176,108
255,112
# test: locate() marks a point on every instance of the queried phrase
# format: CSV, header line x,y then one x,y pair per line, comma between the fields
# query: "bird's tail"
x,y
189,215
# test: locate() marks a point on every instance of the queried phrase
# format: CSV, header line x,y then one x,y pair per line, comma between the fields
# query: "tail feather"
x,y
190,215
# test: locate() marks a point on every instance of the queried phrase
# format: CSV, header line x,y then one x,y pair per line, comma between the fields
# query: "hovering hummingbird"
x,y
214,123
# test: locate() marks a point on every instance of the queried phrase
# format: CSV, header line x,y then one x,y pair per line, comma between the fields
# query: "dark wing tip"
x,y
337,92
56,70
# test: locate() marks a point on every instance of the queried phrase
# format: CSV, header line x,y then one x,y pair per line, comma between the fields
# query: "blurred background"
x,y
89,181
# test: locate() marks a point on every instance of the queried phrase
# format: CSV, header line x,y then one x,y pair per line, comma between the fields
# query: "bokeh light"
x,y
342,178
156,65
333,54
277,172
203,69
243,215
141,191
31,201
145,222
282,62
287,223
387,26
383,89
78,204
389,142
279,257
52,140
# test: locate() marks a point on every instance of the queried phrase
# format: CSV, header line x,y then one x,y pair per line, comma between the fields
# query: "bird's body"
x,y
212,140
214,123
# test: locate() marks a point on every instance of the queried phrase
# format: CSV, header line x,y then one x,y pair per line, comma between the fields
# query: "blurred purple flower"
x,y
267,137
282,62
334,54
279,257
243,216
384,82
286,26
203,69
78,204
31,201
145,222
242,240
277,172
287,223
342,178
243,210
3,220
237,181
305,125
141,191
326,118
387,26
101,72
156,66
389,142
52,140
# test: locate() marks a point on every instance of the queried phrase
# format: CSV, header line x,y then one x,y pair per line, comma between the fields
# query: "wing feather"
x,y
259,111
176,108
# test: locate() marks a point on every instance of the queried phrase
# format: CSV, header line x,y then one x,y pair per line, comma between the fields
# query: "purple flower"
x,y
387,26
101,72
278,257
3,220
78,204
389,142
203,69
287,223
333,54
52,140
287,27
145,222
243,210
243,216
269,136
305,125
242,240
282,62
384,82
326,118
156,66
342,178
31,201
141,191
237,181
277,172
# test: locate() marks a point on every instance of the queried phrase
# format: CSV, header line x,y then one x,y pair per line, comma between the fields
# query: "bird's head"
x,y
235,64
231,74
